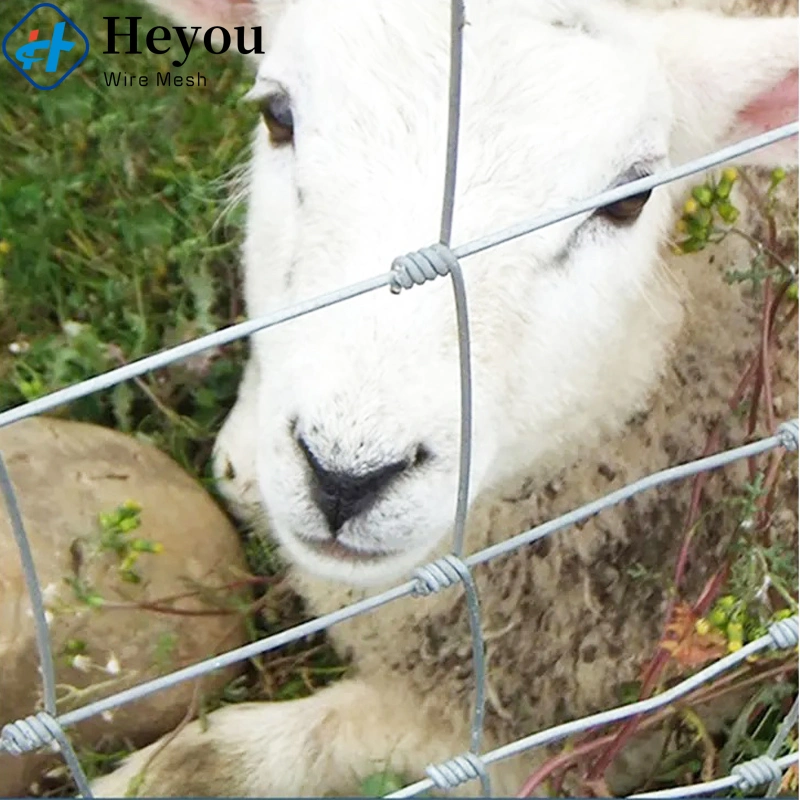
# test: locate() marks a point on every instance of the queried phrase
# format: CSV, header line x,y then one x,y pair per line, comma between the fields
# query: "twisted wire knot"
x,y
29,734
453,773
784,633
424,265
789,435
439,575
757,772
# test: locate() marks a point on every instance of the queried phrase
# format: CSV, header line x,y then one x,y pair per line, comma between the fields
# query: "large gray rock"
x,y
66,474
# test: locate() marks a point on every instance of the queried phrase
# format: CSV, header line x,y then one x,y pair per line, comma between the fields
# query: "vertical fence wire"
x,y
457,22
42,632
34,589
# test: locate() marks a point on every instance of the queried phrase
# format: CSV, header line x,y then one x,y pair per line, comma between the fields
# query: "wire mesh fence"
x,y
47,727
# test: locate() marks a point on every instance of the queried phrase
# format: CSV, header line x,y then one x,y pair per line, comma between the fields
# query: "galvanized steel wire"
x,y
47,728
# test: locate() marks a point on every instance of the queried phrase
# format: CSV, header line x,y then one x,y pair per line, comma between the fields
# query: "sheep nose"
x,y
342,495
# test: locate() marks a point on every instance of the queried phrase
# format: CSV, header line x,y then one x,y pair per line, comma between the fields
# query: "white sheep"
x,y
593,351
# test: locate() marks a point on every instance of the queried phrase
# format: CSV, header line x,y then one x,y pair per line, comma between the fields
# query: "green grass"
x,y
118,239
115,242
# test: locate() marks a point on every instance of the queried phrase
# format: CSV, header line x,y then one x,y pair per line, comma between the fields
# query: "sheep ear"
x,y
731,78
228,14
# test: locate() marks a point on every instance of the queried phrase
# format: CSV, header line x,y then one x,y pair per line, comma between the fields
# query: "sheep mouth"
x,y
343,552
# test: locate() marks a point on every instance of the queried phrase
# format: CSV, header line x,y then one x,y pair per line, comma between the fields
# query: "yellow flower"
x,y
778,175
730,174
702,626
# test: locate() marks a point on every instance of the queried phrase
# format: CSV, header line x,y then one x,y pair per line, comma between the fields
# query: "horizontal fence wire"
x,y
409,587
783,635
787,437
747,776
46,728
242,330
788,725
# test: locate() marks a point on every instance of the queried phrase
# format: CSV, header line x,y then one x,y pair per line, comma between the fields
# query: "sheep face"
x,y
355,421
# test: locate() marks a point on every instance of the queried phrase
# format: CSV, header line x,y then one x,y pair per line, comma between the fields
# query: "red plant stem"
x,y
757,372
712,444
169,610
764,378
767,500
163,605
766,330
561,760
711,590
705,694
701,606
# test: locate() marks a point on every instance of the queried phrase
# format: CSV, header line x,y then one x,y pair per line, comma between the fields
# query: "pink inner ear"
x,y
778,106
228,12
207,13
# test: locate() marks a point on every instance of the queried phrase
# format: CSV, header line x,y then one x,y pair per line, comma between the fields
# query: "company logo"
x,y
46,46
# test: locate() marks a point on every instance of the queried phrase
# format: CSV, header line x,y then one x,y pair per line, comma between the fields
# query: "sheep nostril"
x,y
343,494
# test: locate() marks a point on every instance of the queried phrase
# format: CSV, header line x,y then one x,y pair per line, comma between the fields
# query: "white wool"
x,y
572,329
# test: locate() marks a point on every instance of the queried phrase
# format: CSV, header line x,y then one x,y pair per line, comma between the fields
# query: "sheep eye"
x,y
276,110
627,211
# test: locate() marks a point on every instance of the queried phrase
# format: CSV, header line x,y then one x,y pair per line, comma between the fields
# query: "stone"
x,y
66,475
